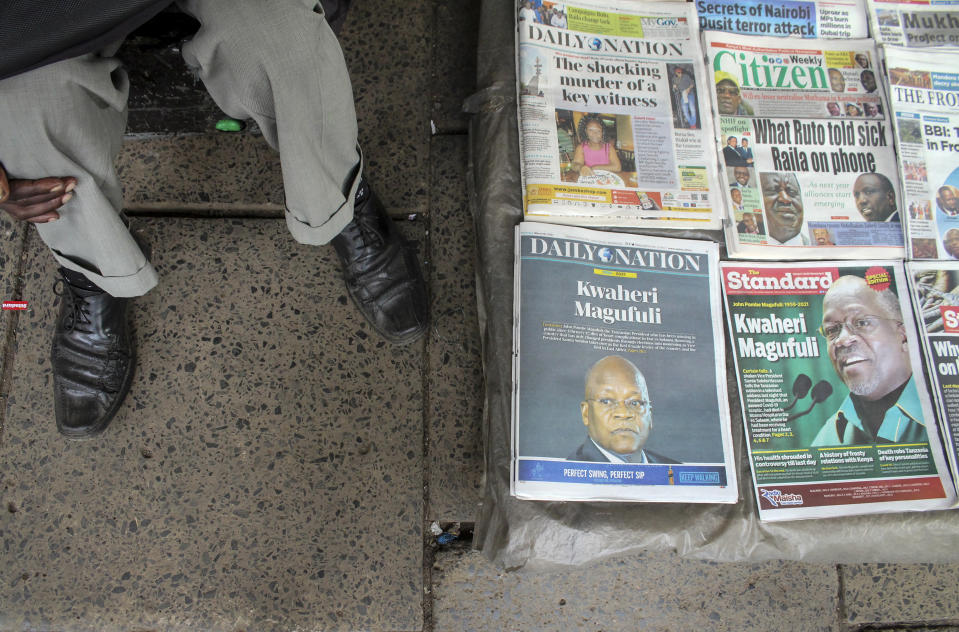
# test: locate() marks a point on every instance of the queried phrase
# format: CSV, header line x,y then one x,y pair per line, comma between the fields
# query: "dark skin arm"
x,y
35,201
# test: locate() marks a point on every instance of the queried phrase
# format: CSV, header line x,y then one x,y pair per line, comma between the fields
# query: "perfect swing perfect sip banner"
x,y
836,410
619,381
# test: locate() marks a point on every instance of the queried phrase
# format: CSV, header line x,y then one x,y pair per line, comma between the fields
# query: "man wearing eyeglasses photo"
x,y
618,415
866,342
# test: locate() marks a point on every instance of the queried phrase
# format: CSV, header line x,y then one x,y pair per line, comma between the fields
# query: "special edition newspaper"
x,y
836,409
618,369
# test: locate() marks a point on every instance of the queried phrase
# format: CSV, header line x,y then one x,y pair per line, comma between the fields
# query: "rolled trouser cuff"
x,y
315,235
136,284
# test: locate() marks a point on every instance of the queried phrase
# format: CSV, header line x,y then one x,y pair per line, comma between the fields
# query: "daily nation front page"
x,y
806,148
836,409
614,121
618,369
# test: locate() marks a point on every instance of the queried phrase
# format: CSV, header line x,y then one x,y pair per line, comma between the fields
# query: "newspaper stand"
x,y
539,535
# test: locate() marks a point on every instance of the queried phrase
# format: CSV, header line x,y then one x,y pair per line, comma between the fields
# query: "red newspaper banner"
x,y
850,492
950,318
15,305
778,281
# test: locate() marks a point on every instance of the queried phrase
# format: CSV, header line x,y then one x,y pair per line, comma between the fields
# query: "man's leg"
x,y
280,64
67,119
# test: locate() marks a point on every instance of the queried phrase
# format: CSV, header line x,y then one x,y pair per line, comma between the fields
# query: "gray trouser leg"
x,y
67,119
280,64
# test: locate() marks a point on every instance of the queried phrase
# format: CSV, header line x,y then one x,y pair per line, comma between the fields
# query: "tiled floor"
x,y
277,466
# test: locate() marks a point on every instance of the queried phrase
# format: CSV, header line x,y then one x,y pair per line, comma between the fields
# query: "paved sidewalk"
x,y
277,466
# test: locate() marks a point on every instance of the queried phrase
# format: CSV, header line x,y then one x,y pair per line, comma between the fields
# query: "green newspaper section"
x,y
790,390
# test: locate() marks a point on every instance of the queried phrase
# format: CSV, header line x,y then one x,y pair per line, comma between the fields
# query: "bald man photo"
x,y
866,342
618,415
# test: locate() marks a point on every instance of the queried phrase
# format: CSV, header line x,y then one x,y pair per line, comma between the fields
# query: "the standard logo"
x,y
15,305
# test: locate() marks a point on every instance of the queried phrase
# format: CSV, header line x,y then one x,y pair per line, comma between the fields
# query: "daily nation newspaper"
x,y
924,95
836,410
828,19
806,146
618,369
915,23
935,296
614,121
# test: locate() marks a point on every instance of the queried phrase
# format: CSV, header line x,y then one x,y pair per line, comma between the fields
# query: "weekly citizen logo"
x,y
15,305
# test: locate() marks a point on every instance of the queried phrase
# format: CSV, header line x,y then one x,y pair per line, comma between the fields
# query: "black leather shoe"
x,y
92,356
382,274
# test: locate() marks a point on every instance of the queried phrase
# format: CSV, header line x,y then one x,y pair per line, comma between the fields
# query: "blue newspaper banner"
x,y
537,470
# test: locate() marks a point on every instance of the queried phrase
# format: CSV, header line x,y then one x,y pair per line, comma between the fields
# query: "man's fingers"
x,y
41,212
23,189
24,201
4,185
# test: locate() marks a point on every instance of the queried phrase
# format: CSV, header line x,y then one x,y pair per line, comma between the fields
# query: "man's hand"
x,y
34,201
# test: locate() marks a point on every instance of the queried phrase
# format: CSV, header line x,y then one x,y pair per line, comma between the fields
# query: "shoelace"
x,y
116,359
77,305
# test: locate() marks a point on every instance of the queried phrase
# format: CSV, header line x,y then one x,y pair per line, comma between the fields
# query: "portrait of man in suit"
x,y
618,415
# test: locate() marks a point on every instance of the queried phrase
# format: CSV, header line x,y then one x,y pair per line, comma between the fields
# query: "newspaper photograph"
x,y
827,19
836,409
915,23
614,121
619,379
806,148
935,297
924,96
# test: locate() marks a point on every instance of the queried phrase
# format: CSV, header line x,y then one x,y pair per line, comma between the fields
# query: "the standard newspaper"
x,y
806,146
924,96
935,296
915,23
836,410
619,369
614,121
829,19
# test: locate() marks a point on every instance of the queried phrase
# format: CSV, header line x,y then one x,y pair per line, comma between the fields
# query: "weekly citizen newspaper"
x,y
829,19
924,95
915,23
935,295
806,143
618,369
614,121
836,410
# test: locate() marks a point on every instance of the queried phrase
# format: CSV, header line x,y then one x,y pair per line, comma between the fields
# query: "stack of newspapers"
x,y
828,157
